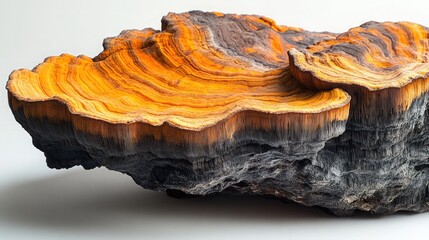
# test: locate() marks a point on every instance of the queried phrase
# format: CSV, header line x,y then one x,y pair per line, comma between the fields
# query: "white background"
x,y
40,203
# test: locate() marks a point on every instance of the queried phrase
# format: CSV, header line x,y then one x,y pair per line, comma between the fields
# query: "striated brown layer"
x,y
199,80
129,134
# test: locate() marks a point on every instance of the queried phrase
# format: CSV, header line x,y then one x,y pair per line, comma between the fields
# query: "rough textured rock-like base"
x,y
341,177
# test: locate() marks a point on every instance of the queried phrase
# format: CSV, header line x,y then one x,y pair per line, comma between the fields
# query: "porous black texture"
x,y
380,168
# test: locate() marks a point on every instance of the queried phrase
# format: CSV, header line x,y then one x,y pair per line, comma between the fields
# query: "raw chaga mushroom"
x,y
208,105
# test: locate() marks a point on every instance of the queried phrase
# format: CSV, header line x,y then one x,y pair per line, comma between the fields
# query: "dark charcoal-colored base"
x,y
378,169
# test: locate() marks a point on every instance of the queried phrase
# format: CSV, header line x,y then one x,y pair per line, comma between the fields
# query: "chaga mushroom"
x,y
209,104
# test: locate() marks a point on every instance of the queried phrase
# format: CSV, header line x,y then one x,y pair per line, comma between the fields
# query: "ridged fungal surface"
x,y
219,103
196,73
372,57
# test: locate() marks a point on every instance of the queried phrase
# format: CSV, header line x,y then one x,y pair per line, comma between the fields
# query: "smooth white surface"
x,y
40,203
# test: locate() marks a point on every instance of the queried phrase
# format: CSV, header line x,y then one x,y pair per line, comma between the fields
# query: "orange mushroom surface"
x,y
388,58
206,72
